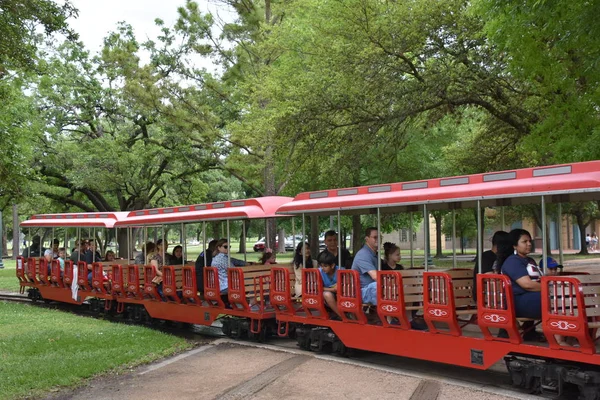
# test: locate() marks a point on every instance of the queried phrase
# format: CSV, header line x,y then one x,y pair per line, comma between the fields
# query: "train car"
x,y
181,299
45,278
462,331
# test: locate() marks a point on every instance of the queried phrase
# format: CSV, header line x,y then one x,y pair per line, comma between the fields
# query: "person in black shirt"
x,y
391,256
331,241
199,266
488,258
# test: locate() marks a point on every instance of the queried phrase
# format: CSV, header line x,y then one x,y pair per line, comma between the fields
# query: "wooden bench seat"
x,y
571,308
398,292
447,295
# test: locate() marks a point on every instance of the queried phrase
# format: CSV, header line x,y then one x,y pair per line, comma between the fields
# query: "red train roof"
x,y
567,182
262,207
99,220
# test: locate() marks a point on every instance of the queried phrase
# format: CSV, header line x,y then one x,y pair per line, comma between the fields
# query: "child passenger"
x,y
328,270
268,257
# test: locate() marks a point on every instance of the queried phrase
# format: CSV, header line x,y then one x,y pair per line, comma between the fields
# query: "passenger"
x,y
109,256
391,256
55,244
488,258
177,257
299,265
268,257
365,262
329,269
525,278
553,268
148,248
331,241
48,257
61,259
35,250
156,259
221,262
78,253
91,256
199,265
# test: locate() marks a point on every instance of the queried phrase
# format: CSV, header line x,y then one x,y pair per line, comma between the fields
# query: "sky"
x,y
97,18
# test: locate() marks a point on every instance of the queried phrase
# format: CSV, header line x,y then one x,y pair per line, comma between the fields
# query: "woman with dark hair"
x,y
391,256
221,262
525,275
302,259
176,257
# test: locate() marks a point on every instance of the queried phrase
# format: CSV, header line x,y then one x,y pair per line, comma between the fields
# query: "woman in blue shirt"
x,y
524,275
328,271
221,262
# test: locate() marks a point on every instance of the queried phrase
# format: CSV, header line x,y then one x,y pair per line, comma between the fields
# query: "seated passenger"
x,y
109,256
329,276
525,279
331,242
302,259
48,257
55,244
177,257
147,248
61,259
91,256
221,262
78,253
391,256
35,250
200,264
268,257
488,258
365,262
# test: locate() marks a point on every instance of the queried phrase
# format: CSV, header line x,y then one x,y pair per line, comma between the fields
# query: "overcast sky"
x,y
97,18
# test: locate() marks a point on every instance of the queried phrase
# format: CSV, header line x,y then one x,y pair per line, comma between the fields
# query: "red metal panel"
x,y
55,274
31,270
390,299
82,276
438,302
170,284
68,274
150,291
237,290
98,278
349,298
312,294
118,286
190,287
495,308
212,289
133,282
42,271
281,297
564,312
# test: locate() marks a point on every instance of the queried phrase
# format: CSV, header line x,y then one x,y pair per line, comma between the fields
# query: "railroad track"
x,y
14,298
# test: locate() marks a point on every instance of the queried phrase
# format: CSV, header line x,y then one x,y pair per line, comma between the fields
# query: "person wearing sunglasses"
x,y
221,262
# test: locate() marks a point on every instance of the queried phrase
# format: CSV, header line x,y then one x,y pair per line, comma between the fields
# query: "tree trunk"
x,y
357,234
243,236
437,216
16,232
314,236
582,225
124,246
281,241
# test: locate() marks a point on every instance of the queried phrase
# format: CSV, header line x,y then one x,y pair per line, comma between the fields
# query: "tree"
x,y
19,23
466,226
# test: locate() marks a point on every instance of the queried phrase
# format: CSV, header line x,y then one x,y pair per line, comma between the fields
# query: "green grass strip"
x,y
8,277
42,349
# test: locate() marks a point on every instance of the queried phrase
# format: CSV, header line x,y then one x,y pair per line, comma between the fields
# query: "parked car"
x,y
289,243
260,245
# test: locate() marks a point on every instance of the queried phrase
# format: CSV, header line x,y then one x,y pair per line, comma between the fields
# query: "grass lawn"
x,y
8,277
42,350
